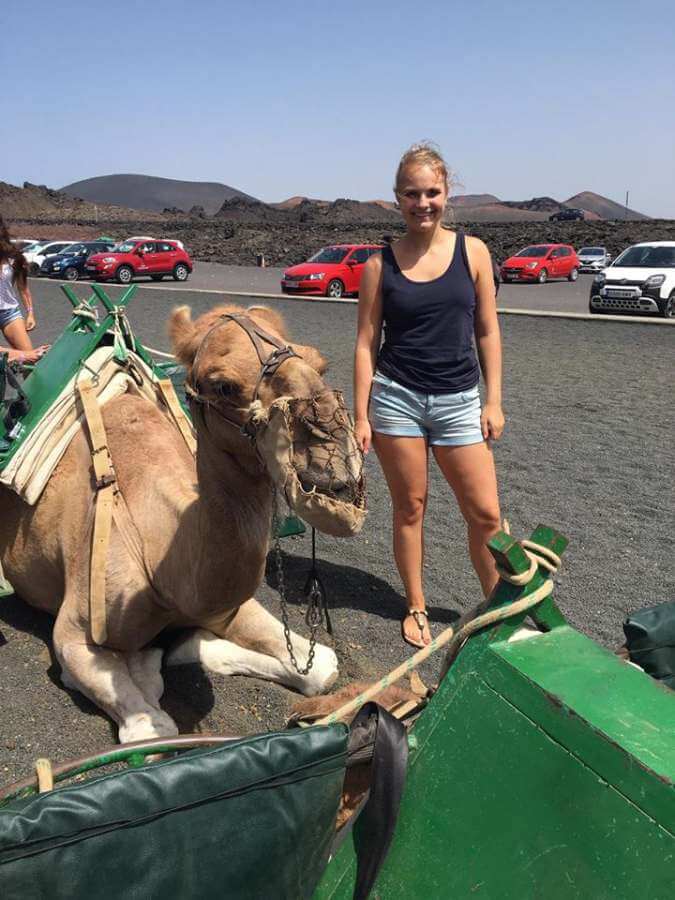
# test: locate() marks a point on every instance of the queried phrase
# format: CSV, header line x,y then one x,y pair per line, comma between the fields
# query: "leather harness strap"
x,y
172,402
269,363
105,484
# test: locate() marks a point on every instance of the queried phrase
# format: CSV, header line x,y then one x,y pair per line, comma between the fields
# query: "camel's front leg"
x,y
103,676
253,643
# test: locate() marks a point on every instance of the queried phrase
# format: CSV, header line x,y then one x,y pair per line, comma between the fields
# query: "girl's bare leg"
x,y
16,335
404,461
470,472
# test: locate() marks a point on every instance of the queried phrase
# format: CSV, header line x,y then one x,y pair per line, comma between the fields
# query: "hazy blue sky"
x,y
277,99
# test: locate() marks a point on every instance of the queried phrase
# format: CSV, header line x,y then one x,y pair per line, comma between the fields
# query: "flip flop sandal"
x,y
416,613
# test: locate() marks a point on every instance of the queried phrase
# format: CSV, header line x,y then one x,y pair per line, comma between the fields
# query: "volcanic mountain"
x,y
150,192
488,208
602,206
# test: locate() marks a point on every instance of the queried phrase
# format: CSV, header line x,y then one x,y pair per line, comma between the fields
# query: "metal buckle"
x,y
105,481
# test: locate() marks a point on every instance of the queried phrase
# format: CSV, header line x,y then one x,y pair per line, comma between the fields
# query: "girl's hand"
x,y
29,356
30,320
492,421
364,435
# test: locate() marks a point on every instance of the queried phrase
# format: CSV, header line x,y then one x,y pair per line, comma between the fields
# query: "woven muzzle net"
x,y
309,450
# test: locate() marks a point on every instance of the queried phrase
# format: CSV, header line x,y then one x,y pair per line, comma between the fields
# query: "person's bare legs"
x,y
16,335
404,461
470,472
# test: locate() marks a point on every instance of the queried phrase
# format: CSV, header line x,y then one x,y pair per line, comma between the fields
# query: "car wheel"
x,y
668,308
180,272
574,274
124,274
34,269
335,289
157,277
543,277
71,273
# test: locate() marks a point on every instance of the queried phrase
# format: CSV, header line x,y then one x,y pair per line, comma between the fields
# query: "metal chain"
x,y
313,617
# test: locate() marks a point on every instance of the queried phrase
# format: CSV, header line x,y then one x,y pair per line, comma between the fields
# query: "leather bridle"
x,y
269,364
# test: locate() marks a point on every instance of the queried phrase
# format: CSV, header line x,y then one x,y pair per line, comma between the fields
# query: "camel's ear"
x,y
312,356
275,319
183,335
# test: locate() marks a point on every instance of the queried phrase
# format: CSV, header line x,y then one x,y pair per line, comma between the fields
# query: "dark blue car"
x,y
70,263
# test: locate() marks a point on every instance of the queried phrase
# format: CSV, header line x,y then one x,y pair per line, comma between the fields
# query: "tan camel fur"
x,y
194,553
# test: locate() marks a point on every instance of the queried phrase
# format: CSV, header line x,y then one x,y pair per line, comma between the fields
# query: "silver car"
x,y
593,259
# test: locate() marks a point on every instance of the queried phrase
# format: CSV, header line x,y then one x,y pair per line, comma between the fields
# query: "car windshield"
x,y
329,255
72,249
533,251
124,247
646,258
592,251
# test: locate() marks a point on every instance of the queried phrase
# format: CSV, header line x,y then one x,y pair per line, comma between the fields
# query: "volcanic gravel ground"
x,y
588,449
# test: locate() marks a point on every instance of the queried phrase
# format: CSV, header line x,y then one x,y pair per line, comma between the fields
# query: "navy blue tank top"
x,y
428,326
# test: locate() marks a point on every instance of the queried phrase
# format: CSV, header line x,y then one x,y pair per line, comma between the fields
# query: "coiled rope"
x,y
538,556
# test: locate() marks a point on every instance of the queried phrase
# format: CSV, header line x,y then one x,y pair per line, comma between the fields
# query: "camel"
x,y
195,550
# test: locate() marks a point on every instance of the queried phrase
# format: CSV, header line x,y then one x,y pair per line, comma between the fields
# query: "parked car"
x,y
132,259
70,264
35,257
568,214
640,280
593,259
332,272
542,262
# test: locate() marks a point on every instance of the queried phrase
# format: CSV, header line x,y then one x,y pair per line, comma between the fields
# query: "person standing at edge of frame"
x,y
14,282
432,291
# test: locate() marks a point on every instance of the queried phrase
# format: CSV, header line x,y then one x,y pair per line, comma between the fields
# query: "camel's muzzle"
x,y
309,450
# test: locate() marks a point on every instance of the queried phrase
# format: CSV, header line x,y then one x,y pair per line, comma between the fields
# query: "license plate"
x,y
290,284
621,294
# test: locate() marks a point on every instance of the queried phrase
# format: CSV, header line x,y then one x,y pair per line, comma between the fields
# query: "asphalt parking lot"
x,y
554,296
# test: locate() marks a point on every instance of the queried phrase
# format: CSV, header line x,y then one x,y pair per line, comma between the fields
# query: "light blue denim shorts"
x,y
7,316
445,420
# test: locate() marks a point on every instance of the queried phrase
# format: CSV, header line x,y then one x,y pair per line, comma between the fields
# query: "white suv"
x,y
641,279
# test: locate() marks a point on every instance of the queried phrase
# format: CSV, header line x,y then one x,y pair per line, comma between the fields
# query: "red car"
x,y
134,258
332,272
541,262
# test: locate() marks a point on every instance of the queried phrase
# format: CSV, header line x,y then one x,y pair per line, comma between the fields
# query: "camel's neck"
x,y
234,510
228,487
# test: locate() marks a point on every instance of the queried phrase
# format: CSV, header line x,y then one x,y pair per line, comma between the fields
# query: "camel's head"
x,y
264,399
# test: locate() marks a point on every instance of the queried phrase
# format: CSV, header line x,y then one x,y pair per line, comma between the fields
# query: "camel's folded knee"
x,y
323,674
145,726
227,658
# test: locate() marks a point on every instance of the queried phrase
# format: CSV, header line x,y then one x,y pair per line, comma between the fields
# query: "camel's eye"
x,y
225,389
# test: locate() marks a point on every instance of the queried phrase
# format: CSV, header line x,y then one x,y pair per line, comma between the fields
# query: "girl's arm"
x,y
488,338
367,345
